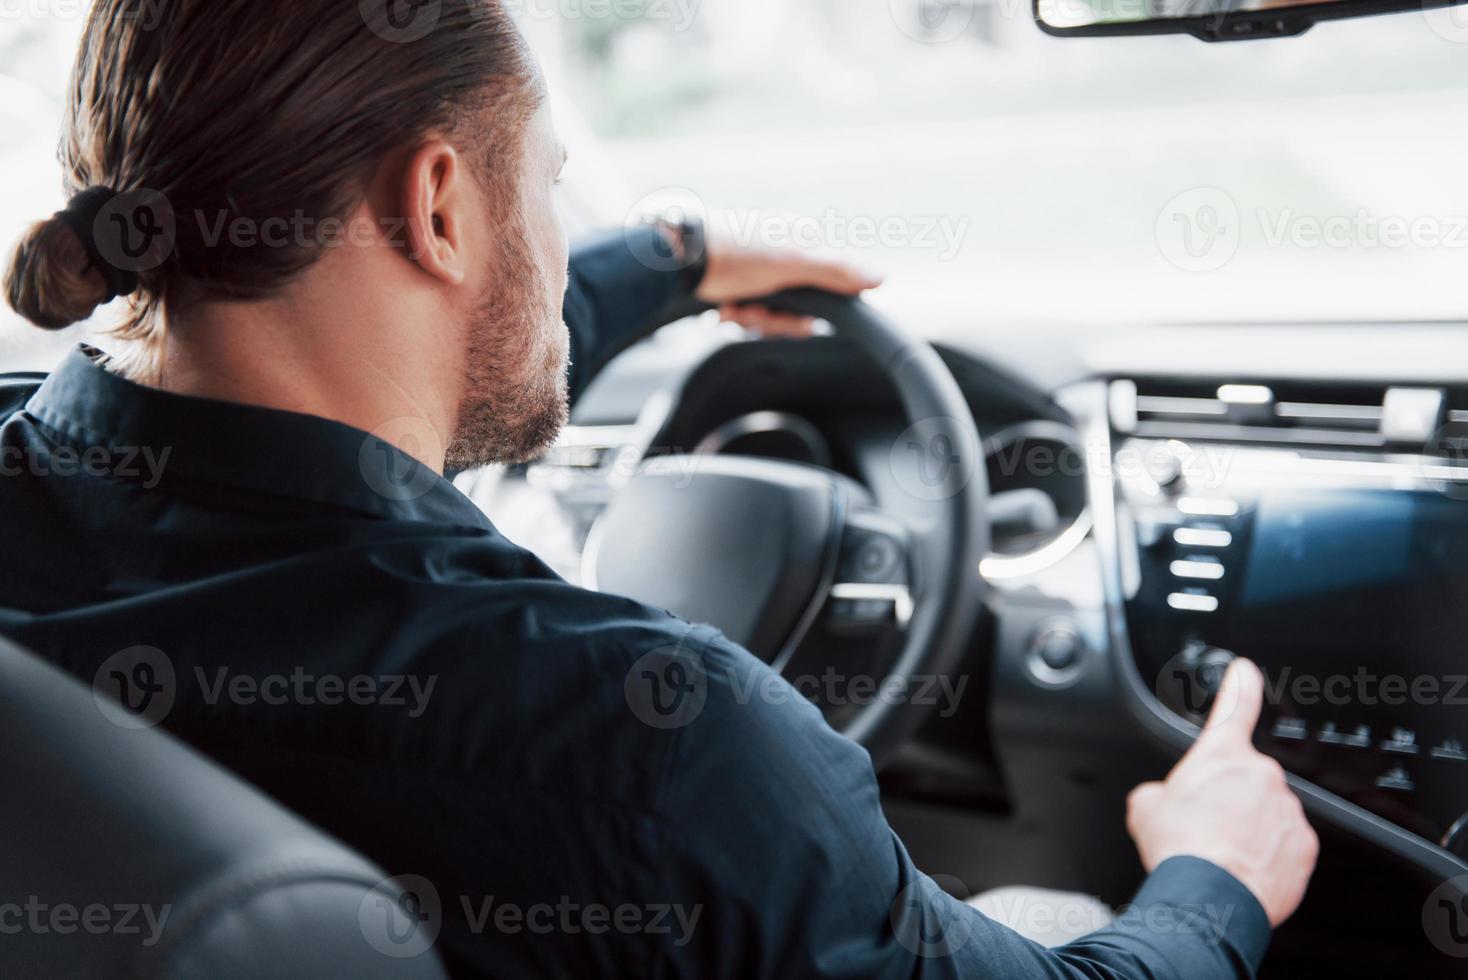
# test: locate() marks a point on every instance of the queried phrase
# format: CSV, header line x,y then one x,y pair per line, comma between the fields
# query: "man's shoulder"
x,y
16,389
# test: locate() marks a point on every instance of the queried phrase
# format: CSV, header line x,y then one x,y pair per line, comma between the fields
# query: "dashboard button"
x,y
1202,537
1193,602
1210,569
1401,742
1059,649
1451,750
1398,780
1208,507
1357,738
1057,653
1291,730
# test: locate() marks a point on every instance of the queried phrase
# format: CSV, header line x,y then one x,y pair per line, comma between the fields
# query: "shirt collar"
x,y
245,446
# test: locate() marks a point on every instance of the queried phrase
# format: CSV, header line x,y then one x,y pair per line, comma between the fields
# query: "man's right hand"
x,y
1227,803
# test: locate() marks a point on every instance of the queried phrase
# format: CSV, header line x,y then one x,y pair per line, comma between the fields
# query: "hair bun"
x,y
51,280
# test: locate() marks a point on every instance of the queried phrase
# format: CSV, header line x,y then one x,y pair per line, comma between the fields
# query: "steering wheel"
x,y
761,548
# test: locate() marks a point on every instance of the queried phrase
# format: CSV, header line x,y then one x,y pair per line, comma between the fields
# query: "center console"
x,y
1328,543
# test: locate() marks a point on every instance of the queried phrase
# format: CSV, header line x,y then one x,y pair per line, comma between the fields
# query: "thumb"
x,y
1237,706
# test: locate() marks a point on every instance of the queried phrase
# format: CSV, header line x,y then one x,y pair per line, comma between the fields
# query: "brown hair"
x,y
262,110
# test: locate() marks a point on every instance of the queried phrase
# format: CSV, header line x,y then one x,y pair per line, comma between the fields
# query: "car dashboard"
x,y
1163,501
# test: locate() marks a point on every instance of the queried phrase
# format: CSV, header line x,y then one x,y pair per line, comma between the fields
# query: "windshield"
x,y
985,167
956,147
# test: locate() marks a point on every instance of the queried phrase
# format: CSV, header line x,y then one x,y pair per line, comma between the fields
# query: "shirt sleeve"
x,y
618,283
773,828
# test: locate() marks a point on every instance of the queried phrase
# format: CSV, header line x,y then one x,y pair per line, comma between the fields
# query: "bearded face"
x,y
515,399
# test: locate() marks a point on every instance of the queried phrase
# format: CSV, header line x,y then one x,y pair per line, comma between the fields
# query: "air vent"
x,y
1288,413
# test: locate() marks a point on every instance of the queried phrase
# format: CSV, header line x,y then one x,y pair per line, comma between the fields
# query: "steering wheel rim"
x,y
948,591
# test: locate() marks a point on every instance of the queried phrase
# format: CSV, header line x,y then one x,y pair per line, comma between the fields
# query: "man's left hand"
x,y
737,274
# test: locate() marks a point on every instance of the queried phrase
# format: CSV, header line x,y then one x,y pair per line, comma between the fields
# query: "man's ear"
x,y
435,207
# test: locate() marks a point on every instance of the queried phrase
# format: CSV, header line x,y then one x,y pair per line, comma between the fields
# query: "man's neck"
x,y
357,366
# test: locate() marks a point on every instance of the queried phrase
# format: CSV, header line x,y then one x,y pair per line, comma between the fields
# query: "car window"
x,y
973,157
984,166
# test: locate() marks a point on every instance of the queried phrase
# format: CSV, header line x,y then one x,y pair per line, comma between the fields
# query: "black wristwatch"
x,y
691,242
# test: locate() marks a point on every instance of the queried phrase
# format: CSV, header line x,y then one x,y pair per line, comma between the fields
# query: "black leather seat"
x,y
126,854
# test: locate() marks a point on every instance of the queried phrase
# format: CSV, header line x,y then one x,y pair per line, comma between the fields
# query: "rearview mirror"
x,y
1210,20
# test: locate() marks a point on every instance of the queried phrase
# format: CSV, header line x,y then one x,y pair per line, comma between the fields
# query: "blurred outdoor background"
x,y
985,166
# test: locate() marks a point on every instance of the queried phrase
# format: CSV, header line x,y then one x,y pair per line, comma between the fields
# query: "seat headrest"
x,y
124,853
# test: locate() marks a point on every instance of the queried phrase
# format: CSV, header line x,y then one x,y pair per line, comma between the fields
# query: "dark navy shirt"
x,y
579,786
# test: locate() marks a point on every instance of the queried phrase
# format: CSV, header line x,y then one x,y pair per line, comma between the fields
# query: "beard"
x,y
516,386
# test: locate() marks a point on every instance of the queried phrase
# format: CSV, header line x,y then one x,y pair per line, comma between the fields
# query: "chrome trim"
x,y
1178,405
997,567
1251,433
1005,567
1320,410
758,423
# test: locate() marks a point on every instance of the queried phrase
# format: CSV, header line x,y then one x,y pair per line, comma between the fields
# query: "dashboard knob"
x,y
1165,469
1210,670
1059,648
1194,676
1057,653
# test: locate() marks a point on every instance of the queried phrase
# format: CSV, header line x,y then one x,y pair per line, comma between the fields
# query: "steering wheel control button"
x,y
1057,653
861,603
1291,730
877,559
873,548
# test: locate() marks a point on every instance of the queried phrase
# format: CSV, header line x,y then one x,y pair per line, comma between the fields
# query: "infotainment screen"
x,y
1339,579
1355,603
1345,578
